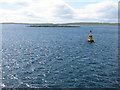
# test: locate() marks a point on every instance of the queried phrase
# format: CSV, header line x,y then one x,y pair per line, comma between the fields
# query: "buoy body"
x,y
90,38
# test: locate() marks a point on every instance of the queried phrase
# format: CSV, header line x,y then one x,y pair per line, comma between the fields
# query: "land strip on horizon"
x,y
62,24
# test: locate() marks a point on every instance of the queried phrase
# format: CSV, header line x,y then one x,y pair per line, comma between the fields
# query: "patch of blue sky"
x,y
9,7
79,5
39,10
89,1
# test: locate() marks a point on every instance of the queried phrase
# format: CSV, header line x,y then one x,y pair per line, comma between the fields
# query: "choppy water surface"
x,y
59,56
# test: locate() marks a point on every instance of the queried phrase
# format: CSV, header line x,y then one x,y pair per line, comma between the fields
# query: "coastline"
x,y
52,26
61,25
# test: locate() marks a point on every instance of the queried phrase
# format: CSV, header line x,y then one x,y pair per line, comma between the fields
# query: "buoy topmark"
x,y
90,38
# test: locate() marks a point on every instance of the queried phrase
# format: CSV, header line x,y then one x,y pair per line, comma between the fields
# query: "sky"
x,y
58,11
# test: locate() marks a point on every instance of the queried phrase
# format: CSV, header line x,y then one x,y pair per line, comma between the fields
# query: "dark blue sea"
x,y
59,57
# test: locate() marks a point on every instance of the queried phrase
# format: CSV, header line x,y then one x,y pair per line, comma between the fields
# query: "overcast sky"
x,y
58,11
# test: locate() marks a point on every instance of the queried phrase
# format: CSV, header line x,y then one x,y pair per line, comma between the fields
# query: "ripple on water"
x,y
48,57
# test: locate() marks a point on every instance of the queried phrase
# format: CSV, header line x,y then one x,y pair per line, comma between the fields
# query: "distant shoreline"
x,y
62,25
93,23
52,26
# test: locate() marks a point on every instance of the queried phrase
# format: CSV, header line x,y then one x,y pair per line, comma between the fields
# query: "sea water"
x,y
59,57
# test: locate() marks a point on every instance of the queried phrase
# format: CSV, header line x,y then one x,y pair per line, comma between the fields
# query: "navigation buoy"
x,y
90,38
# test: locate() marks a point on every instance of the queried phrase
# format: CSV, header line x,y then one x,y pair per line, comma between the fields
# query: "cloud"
x,y
57,11
15,2
105,11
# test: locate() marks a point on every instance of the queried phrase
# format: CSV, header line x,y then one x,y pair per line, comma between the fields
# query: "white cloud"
x,y
57,11
105,11
14,1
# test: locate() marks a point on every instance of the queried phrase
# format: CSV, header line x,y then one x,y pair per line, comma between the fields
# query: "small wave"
x,y
2,85
30,86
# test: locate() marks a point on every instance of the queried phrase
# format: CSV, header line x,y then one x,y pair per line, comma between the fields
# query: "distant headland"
x,y
53,26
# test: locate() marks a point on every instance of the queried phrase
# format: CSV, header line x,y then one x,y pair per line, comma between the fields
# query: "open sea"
x,y
59,57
